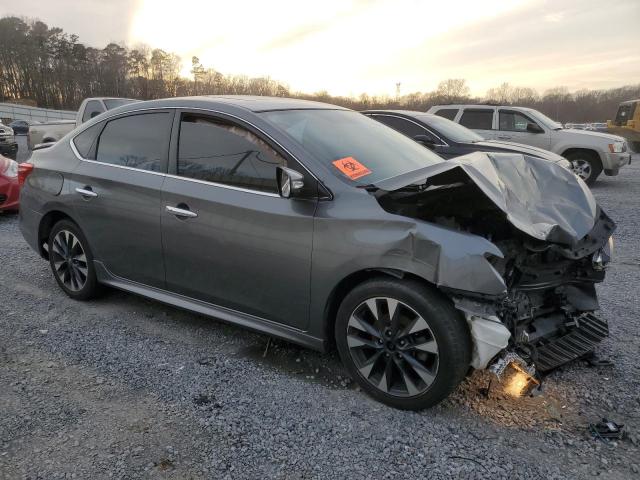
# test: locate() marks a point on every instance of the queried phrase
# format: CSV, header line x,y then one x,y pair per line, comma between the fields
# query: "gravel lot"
x,y
123,387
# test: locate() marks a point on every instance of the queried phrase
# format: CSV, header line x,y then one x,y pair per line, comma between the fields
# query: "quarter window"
x,y
92,109
479,119
137,141
514,121
448,113
221,152
86,141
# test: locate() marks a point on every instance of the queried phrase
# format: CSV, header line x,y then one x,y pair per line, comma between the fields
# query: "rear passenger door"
x,y
229,238
480,120
116,192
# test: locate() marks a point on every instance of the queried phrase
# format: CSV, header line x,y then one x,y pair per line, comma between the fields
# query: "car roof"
x,y
245,102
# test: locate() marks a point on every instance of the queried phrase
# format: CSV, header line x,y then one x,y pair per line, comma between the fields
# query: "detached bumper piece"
x,y
588,332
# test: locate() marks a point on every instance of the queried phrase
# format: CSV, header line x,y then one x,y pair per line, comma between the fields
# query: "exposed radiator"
x,y
590,331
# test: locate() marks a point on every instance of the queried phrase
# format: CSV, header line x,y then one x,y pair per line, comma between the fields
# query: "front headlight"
x,y
617,147
602,257
12,169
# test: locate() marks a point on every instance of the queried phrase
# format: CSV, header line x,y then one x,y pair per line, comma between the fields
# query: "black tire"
x,y
79,286
581,161
446,326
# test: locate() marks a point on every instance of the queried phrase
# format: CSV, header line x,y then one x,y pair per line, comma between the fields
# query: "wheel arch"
x,y
351,281
46,225
590,151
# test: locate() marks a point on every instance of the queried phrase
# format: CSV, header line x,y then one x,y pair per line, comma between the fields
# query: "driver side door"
x,y
512,127
228,237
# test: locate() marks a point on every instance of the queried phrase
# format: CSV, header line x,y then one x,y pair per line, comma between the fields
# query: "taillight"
x,y
24,170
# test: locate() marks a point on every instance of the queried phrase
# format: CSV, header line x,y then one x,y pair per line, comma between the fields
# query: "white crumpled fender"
x,y
489,336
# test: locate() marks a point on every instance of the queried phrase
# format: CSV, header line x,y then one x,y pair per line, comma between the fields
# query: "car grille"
x,y
590,331
3,198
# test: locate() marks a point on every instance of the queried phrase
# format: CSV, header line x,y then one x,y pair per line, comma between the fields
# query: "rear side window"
x,y
402,125
216,151
92,109
138,141
85,143
477,119
448,113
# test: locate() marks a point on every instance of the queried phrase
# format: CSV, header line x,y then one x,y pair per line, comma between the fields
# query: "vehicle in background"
x,y
53,131
21,127
449,139
416,269
9,187
627,123
591,153
597,126
8,144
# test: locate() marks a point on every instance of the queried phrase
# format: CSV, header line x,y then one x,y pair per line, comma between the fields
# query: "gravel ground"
x,y
122,387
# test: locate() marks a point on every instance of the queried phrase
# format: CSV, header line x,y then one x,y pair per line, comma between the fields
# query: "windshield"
x,y
545,120
355,148
450,130
117,102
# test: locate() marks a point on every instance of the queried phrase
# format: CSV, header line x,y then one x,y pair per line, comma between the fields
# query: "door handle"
x,y
504,137
181,212
86,192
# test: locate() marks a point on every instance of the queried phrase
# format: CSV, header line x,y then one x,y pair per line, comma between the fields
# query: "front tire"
x,y
586,166
402,342
71,261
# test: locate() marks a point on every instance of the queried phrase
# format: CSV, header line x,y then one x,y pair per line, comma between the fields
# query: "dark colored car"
x,y
449,139
9,187
20,127
8,144
321,226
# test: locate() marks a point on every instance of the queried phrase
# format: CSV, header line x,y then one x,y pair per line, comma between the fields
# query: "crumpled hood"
x,y
538,197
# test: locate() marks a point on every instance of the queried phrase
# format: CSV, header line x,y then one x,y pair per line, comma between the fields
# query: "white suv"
x,y
589,152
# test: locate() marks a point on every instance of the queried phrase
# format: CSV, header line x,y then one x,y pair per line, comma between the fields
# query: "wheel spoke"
x,y
69,260
408,383
426,346
355,341
385,381
422,371
365,369
360,324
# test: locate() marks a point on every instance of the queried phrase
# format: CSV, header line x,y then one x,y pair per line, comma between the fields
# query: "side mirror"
x,y
425,140
534,128
289,182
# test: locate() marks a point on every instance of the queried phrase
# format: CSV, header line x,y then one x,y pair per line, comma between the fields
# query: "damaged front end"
x,y
555,243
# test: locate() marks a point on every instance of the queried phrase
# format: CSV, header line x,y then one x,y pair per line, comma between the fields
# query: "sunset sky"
x,y
354,46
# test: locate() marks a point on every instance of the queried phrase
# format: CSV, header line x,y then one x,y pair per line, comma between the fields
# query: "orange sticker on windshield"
x,y
351,168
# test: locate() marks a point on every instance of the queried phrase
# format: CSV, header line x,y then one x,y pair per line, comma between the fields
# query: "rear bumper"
x,y
9,194
29,226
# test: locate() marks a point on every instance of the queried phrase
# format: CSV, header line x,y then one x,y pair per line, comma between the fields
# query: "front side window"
x,y
92,109
514,121
137,141
479,119
448,113
217,151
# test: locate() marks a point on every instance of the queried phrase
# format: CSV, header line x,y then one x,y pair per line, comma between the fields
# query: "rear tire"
x,y
71,261
403,342
586,165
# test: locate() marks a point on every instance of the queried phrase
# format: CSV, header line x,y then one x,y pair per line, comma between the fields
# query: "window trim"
x,y
530,120
177,109
443,144
476,109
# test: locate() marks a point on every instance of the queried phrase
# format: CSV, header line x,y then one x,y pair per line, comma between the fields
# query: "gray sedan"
x,y
321,226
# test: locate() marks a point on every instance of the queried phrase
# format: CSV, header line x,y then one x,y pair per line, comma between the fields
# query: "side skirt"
x,y
228,315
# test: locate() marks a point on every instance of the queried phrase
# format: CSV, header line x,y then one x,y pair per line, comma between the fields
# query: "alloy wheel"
x,y
392,347
69,260
582,168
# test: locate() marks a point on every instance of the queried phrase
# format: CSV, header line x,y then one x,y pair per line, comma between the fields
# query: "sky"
x,y
348,47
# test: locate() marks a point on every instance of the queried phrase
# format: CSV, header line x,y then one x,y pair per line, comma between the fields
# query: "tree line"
x,y
49,68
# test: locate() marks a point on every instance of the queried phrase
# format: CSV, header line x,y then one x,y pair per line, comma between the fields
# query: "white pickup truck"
x,y
589,152
53,131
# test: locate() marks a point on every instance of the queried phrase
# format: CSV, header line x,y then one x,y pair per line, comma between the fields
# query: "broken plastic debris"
x,y
606,430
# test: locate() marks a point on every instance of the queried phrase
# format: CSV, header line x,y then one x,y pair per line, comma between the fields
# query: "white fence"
x,y
22,112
